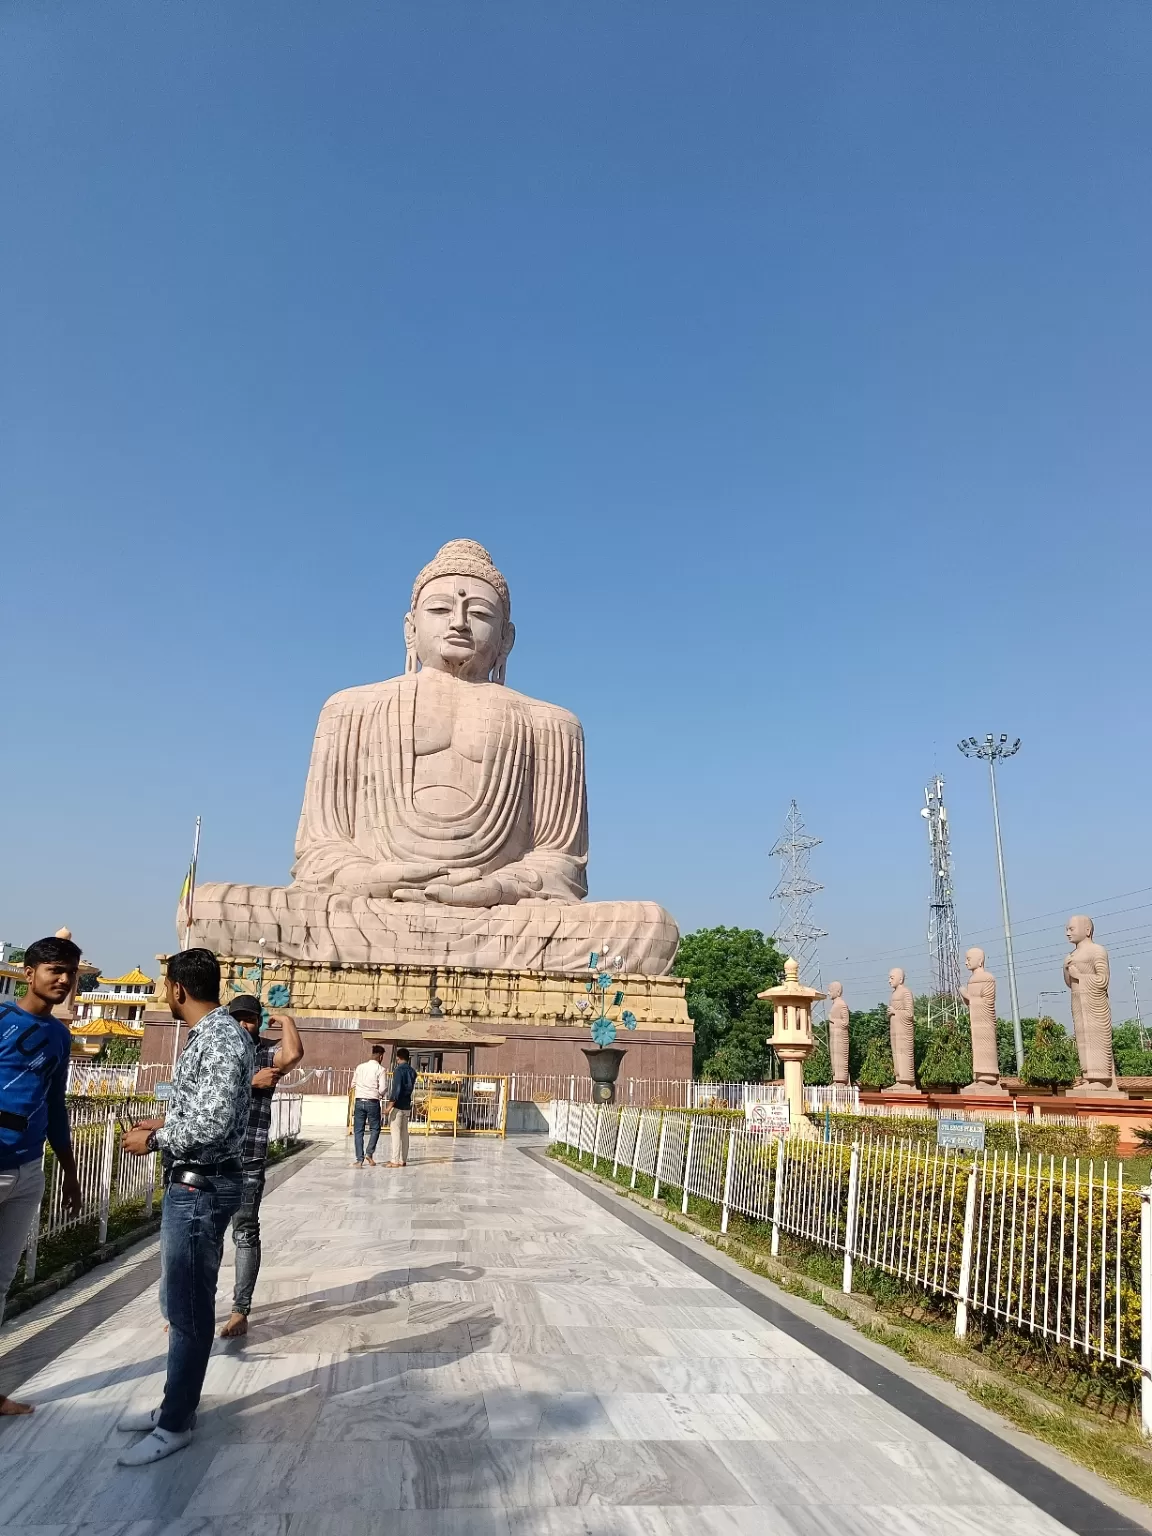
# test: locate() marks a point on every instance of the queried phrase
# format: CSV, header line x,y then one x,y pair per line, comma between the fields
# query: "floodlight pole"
x,y
991,749
1017,1033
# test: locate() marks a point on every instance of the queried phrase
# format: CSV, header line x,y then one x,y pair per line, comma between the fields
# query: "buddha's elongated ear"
x,y
411,662
498,671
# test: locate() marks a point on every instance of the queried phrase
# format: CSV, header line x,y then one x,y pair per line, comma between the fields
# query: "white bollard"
x,y
778,1195
688,1165
727,1180
659,1158
966,1256
850,1217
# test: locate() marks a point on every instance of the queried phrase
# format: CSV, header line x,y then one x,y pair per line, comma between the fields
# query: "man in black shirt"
x,y
400,1107
273,1059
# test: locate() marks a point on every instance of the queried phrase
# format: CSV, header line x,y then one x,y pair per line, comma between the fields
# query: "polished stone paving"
x,y
473,1346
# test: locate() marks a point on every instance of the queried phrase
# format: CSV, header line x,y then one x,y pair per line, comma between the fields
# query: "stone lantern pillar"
x,y
792,1038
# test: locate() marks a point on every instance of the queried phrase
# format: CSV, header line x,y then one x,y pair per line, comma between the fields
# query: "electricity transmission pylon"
x,y
943,931
796,934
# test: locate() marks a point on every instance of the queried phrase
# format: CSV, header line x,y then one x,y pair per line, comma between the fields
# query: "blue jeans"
x,y
192,1228
366,1112
246,1236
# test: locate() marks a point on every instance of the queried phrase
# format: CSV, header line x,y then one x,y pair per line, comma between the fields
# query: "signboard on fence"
x,y
966,1135
768,1119
162,1091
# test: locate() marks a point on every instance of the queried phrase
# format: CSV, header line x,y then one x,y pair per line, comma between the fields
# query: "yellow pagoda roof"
x,y
133,978
92,1027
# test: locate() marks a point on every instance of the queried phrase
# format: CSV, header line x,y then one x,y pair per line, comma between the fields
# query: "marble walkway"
x,y
474,1346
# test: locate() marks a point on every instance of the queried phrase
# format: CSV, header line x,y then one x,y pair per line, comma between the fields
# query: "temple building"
x,y
116,997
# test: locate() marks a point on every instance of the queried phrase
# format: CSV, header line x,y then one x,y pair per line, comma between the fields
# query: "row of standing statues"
x,y
1085,975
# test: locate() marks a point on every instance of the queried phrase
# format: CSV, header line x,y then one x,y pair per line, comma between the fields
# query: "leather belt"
x,y
200,1175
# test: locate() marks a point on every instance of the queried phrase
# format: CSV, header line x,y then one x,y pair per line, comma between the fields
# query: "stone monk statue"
x,y
1086,975
901,1032
980,996
838,1019
444,818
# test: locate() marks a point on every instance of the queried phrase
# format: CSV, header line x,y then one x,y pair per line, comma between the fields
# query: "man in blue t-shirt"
x,y
34,1051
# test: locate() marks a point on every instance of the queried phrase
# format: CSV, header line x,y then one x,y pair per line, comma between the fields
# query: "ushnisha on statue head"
x,y
460,619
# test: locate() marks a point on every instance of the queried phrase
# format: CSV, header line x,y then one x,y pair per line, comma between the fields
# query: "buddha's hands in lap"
x,y
465,888
387,878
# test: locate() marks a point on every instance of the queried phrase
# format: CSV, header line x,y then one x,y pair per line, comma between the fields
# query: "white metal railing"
x,y
287,1115
1060,1249
113,995
111,1179
87,1080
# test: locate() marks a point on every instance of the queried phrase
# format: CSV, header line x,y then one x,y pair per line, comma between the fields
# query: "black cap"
x,y
246,1007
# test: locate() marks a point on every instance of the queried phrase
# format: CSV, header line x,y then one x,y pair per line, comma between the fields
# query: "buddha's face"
x,y
974,959
896,978
1078,928
835,991
459,626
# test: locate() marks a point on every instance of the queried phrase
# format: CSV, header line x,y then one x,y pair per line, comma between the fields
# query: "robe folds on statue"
x,y
524,814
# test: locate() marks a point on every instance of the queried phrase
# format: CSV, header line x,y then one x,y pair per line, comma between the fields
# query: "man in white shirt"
x,y
368,1081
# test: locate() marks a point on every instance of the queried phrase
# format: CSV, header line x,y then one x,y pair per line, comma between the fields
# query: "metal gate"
x,y
481,1102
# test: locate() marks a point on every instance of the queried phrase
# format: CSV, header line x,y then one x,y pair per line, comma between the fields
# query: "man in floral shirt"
x,y
202,1137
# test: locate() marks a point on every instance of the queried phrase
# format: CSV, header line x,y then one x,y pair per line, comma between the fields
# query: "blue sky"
x,y
794,362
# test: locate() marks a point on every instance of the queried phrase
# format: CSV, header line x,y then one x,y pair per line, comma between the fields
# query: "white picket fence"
x,y
674,1092
111,1178
1059,1249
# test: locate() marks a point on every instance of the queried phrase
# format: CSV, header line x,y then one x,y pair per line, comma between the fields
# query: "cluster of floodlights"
x,y
989,748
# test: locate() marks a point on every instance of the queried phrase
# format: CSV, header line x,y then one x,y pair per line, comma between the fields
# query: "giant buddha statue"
x,y
445,819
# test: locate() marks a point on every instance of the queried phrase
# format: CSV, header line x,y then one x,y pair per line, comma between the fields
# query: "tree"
x,y
818,1067
118,1051
1050,1056
876,1068
712,1025
1130,1058
864,1026
726,968
947,1059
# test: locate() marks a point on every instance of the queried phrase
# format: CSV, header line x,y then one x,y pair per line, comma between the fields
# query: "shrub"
x,y
1050,1057
818,1067
947,1061
876,1068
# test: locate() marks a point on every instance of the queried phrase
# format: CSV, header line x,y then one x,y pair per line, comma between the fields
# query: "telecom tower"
x,y
796,934
943,933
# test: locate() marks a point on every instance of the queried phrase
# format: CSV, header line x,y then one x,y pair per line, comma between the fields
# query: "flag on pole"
x,y
188,889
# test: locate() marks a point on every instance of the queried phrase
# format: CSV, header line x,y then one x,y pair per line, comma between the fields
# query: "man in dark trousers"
x,y
202,1137
400,1107
273,1059
34,1051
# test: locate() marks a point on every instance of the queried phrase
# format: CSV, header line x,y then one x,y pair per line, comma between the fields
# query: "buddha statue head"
x,y
460,618
895,977
835,990
974,959
1079,928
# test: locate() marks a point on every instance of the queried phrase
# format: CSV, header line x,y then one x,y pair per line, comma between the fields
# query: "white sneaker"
x,y
154,1447
141,1420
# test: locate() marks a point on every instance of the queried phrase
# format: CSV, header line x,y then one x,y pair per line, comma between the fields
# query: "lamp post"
x,y
992,751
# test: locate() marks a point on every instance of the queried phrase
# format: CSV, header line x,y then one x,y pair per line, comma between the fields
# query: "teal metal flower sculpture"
x,y
604,996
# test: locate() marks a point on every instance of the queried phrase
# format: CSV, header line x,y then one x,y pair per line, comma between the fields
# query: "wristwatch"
x,y
151,1144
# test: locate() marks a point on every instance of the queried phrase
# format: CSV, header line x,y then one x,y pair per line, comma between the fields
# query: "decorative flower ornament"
x,y
604,995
